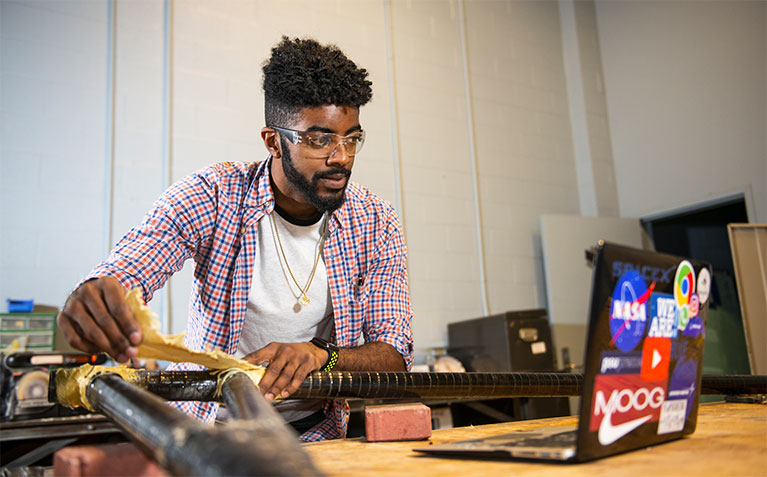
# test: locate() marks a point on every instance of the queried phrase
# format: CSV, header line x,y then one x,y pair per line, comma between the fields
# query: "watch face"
x,y
320,343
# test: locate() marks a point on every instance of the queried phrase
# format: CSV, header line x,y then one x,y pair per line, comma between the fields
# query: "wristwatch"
x,y
332,353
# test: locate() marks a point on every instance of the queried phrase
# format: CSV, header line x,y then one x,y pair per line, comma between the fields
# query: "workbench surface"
x,y
731,439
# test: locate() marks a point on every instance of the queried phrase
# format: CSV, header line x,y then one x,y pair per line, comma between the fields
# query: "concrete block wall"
x,y
470,125
437,184
523,141
594,96
53,65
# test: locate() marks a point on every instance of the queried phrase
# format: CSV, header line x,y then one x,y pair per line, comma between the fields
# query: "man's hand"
x,y
96,318
289,364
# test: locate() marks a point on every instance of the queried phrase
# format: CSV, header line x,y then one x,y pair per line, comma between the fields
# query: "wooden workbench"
x,y
731,439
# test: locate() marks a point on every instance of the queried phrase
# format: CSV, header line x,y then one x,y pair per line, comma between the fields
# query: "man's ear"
x,y
272,142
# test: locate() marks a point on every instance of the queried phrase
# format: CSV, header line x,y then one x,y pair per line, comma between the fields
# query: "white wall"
x,y
53,101
471,129
685,85
523,141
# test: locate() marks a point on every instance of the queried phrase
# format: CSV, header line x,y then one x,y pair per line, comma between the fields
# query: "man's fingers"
x,y
85,328
114,297
261,356
267,353
298,379
271,374
116,342
73,334
289,364
285,377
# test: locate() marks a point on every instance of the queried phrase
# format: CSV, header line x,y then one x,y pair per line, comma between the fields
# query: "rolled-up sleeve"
x,y
389,311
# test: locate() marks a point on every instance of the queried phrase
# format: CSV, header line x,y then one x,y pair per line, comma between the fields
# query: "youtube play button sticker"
x,y
656,354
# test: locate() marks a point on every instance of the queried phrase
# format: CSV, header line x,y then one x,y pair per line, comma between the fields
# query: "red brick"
x,y
123,459
397,422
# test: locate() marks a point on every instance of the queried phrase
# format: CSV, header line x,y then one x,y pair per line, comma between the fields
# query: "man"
x,y
290,257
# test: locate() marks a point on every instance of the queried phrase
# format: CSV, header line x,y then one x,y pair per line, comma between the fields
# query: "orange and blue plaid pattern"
x,y
212,215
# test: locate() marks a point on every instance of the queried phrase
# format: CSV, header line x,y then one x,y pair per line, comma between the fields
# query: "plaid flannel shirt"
x,y
212,216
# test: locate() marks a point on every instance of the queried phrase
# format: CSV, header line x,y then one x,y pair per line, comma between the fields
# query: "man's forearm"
x,y
373,356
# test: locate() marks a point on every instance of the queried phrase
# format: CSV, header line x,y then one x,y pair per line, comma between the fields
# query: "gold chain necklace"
x,y
303,298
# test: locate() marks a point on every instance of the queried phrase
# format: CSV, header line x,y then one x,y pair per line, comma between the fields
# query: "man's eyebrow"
x,y
328,130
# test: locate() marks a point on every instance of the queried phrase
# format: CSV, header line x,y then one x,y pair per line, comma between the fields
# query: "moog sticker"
x,y
622,403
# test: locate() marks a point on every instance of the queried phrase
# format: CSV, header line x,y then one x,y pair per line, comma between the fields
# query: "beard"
x,y
310,188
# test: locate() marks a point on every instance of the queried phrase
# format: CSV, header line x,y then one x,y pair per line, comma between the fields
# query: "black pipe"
x,y
201,385
179,443
733,384
436,385
277,441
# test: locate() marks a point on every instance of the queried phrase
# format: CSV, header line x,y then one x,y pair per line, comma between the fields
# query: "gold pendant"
x,y
304,300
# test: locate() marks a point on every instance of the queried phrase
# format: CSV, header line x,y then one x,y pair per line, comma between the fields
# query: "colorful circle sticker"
x,y
628,311
684,283
704,285
682,316
694,305
684,286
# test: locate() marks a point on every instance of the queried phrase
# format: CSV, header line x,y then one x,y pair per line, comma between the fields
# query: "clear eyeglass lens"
x,y
323,144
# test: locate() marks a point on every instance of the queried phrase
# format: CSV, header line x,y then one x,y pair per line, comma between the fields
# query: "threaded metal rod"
x,y
201,385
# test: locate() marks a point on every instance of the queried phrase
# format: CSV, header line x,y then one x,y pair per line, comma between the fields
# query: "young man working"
x,y
295,265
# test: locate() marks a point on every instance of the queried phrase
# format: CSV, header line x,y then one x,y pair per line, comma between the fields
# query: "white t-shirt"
x,y
275,312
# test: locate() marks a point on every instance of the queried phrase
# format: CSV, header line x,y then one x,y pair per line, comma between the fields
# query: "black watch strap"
x,y
332,353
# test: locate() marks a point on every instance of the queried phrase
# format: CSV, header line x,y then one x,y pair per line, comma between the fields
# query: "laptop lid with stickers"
x,y
644,354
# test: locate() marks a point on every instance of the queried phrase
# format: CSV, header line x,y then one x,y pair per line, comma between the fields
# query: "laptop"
x,y
643,364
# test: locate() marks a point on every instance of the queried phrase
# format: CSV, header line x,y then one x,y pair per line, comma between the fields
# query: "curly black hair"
x,y
302,73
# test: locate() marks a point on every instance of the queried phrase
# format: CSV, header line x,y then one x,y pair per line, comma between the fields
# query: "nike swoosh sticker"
x,y
609,433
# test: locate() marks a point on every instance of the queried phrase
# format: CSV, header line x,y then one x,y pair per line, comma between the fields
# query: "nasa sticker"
x,y
684,287
704,285
628,311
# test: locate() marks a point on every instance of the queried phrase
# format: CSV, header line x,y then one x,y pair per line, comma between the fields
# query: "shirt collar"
x,y
262,195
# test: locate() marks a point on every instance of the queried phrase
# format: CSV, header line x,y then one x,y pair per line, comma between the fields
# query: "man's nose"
x,y
338,156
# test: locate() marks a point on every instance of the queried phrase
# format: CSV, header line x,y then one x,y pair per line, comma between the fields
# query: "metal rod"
x,y
733,384
437,385
277,443
179,443
201,385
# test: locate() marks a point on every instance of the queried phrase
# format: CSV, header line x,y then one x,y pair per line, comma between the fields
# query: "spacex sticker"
x,y
628,311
